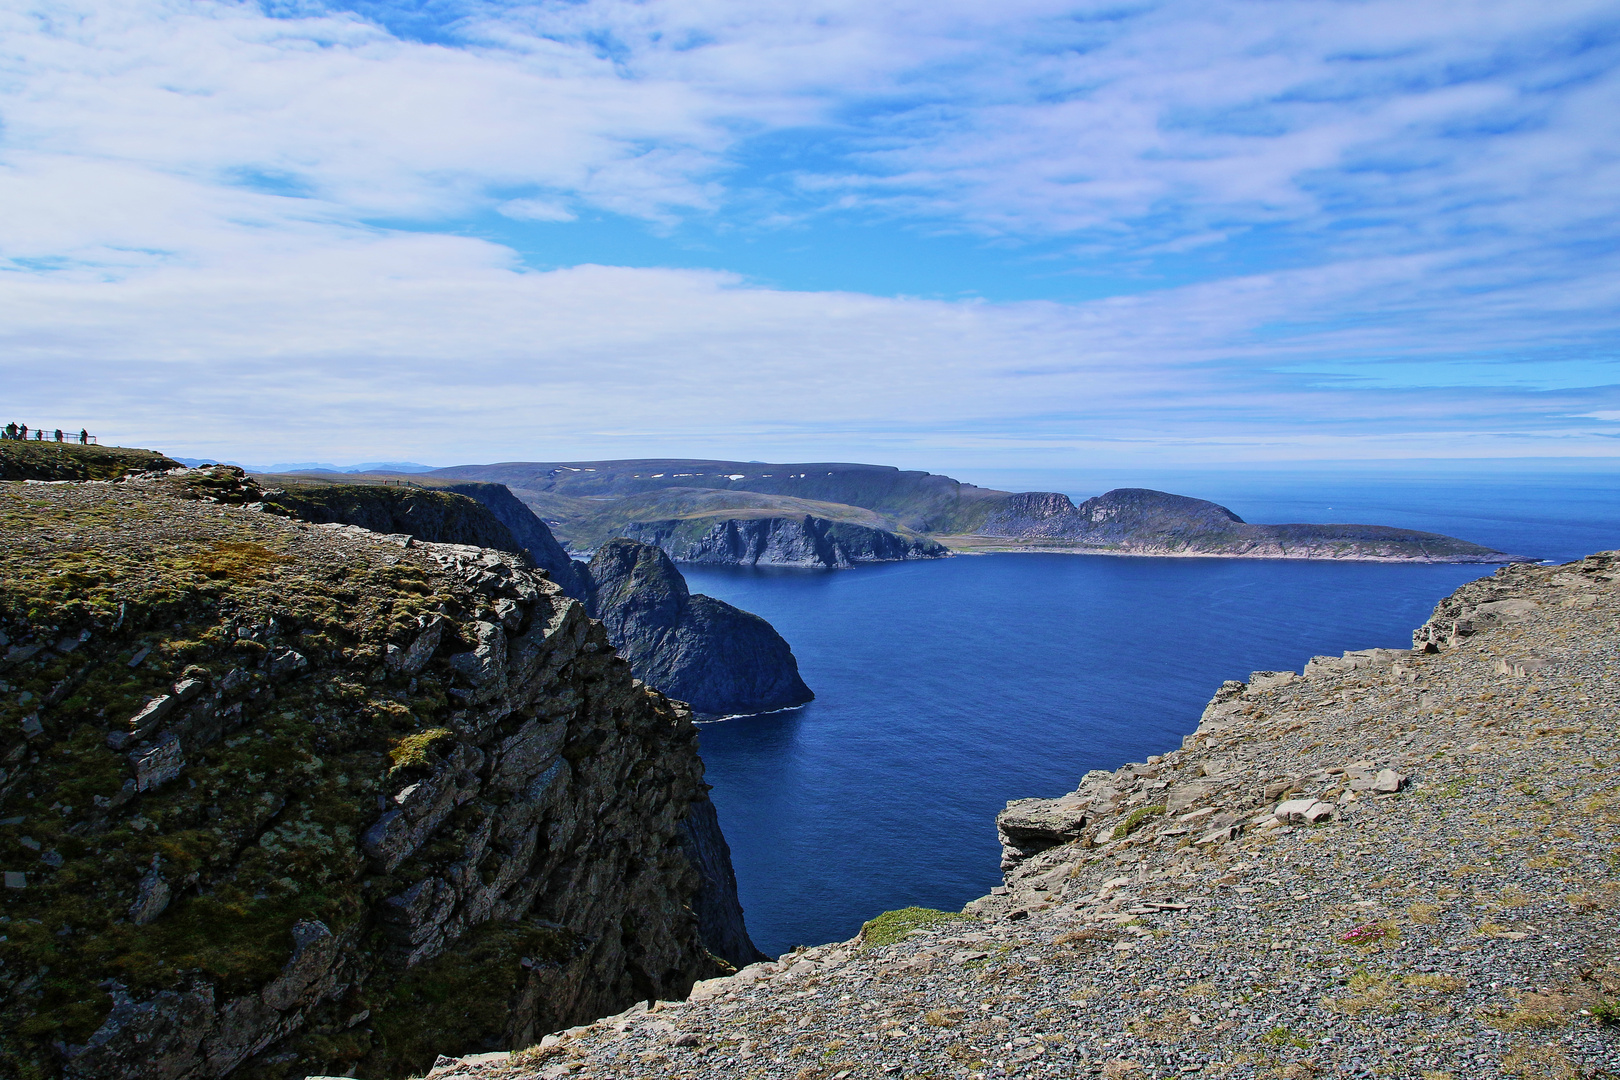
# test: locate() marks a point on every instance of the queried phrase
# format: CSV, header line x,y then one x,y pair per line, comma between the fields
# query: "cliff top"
x,y
269,791
1394,864
28,460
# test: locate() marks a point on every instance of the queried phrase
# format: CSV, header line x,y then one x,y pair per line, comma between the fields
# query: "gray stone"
x,y
285,662
1261,681
151,896
158,764
1293,811
1181,797
1388,782
412,660
147,718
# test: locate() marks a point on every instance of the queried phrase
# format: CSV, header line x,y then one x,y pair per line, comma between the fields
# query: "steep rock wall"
x,y
434,516
716,657
780,541
293,799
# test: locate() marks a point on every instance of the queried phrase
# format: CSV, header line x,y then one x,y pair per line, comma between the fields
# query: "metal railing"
x,y
24,433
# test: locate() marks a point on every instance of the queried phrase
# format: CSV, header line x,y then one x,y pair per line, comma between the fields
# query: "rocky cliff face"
x,y
281,799
1140,521
694,648
530,533
426,514
780,541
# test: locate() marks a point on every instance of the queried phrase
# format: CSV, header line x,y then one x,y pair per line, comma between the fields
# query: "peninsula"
x,y
831,514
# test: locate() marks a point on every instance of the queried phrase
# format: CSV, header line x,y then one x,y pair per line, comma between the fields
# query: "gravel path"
x,y
1397,864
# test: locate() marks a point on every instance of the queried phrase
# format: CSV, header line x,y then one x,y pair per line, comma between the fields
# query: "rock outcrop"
x,y
28,460
780,541
424,513
718,658
283,799
531,534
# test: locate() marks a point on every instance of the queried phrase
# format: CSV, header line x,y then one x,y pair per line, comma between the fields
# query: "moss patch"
x,y
891,926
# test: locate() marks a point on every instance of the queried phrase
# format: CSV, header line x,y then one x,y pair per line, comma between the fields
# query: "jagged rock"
x,y
532,534
1293,810
718,658
1028,827
1269,680
414,658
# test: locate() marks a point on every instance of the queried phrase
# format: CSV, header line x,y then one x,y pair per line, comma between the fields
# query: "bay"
x,y
945,688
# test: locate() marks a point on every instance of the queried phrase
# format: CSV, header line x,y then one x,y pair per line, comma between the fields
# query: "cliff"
x,y
1140,521
281,799
530,533
694,648
1395,863
807,541
426,514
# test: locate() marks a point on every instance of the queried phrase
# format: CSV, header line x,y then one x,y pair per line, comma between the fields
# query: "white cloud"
x,y
203,215
536,210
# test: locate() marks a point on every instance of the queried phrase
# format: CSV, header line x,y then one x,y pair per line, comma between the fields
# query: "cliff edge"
x,y
280,799
1394,863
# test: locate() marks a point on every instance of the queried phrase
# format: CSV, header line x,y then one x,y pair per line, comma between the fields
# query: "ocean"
x,y
947,687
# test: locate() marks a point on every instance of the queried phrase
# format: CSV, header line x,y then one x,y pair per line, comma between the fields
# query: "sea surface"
x,y
947,687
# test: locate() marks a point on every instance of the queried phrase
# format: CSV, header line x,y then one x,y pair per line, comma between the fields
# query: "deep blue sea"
x,y
945,688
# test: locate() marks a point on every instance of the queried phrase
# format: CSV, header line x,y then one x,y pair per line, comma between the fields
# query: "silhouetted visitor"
x,y
58,434
84,437
11,430
25,431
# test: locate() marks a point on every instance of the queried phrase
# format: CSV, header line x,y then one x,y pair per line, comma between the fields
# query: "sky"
x,y
1019,235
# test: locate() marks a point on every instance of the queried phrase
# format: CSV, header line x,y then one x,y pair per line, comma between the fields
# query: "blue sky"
x,y
943,235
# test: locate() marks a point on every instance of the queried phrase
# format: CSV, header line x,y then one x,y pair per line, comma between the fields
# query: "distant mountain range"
x,y
838,514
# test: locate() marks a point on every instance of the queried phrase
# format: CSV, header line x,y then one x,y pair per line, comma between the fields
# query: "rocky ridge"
x,y
280,798
1395,863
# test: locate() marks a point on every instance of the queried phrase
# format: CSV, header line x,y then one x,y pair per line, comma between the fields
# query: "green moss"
x,y
1134,821
412,750
891,926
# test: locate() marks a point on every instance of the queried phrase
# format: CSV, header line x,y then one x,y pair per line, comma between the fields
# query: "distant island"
x,y
830,514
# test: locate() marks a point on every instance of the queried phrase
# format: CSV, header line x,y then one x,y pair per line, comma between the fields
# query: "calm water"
x,y
946,688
